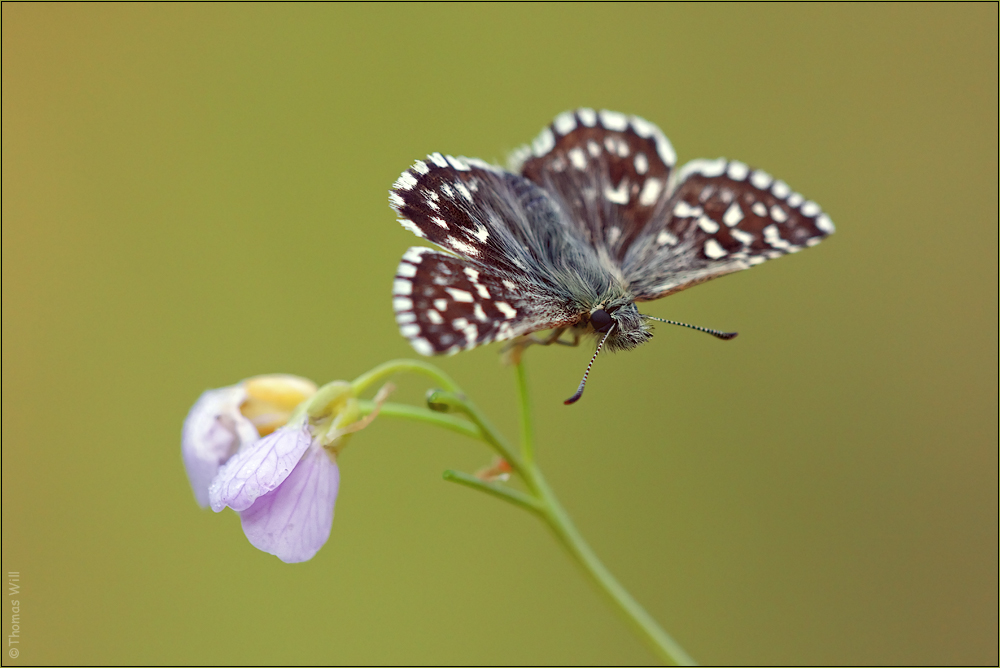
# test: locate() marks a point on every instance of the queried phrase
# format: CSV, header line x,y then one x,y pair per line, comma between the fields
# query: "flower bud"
x,y
271,399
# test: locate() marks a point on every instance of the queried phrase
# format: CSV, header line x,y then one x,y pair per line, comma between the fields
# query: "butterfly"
x,y
588,220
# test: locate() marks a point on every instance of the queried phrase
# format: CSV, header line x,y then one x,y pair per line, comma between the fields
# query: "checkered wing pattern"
x,y
591,216
609,173
492,285
722,217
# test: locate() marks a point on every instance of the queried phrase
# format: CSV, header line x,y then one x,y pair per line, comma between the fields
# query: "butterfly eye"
x,y
601,320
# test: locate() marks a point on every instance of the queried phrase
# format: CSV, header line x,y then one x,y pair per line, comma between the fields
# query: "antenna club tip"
x,y
726,336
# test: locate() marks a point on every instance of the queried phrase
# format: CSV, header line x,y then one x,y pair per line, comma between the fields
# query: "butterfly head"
x,y
621,321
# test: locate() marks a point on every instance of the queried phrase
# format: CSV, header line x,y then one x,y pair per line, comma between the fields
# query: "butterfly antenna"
x,y
579,390
725,336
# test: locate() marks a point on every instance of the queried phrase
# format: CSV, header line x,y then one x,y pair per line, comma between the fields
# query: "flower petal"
x,y
293,521
213,432
258,469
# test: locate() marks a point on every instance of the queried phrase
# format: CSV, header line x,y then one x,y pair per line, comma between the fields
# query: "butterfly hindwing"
x,y
444,304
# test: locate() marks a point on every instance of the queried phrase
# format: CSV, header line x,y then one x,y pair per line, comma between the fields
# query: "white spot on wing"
x,y
457,163
733,215
744,238
773,238
737,171
614,233
481,233
708,225
642,127
795,199
709,168
714,250
565,123
665,237
471,332
593,148
480,314
440,222
587,116
422,346
405,318
401,286
507,310
778,214
641,163
613,120
414,254
473,274
409,225
441,304
759,209
647,130
650,191
395,201
462,247
438,159
825,225
459,295
481,289
760,179
619,195
460,187
402,304
510,285
406,181
810,209
406,269
420,167
780,189
409,330
543,143
684,210
578,158
434,316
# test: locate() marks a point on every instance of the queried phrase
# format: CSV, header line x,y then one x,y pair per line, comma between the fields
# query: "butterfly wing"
x,y
498,282
609,172
722,217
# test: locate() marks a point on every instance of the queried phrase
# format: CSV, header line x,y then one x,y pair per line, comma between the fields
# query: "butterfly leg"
x,y
512,352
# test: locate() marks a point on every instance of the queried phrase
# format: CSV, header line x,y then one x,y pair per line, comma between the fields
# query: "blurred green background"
x,y
196,194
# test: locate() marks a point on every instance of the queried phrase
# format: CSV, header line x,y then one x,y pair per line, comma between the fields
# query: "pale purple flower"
x,y
283,483
284,486
225,420
213,432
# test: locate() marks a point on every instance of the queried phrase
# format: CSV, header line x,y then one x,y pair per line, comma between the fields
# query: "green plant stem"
x,y
562,526
488,433
540,500
392,367
405,411
527,425
508,494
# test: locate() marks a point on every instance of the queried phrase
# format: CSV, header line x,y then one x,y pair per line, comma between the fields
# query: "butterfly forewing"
x,y
608,171
722,217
